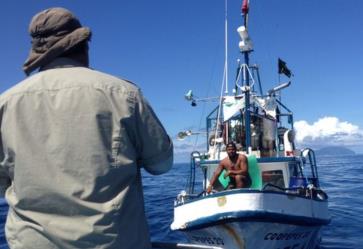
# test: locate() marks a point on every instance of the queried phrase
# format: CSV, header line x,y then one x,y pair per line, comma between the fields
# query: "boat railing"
x,y
299,191
307,158
195,159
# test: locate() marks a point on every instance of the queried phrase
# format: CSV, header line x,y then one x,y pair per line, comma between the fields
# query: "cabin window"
x,y
280,134
268,137
236,133
274,177
294,169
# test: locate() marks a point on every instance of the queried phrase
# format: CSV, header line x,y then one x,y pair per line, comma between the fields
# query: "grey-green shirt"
x,y
72,144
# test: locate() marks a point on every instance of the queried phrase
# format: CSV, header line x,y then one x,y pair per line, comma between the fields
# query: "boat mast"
x,y
246,79
226,47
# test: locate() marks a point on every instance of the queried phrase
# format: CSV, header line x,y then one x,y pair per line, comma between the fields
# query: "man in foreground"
x,y
72,143
235,166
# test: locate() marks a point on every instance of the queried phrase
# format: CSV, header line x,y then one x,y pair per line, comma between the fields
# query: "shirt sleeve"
x,y
4,176
154,148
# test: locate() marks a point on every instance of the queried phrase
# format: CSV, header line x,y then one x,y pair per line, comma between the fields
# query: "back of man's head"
x,y
55,32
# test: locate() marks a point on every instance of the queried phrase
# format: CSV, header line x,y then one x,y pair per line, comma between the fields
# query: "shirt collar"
x,y
62,62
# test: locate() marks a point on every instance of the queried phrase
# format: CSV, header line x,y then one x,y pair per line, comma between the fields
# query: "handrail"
x,y
310,154
191,181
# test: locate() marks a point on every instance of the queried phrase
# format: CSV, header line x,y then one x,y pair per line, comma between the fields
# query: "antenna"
x,y
226,46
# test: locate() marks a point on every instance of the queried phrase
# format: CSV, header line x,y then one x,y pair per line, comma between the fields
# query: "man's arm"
x,y
216,173
154,146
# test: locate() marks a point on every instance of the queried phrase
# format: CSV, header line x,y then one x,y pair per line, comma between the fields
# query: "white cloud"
x,y
328,131
184,148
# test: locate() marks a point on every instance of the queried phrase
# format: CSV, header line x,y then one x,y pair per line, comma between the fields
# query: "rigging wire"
x,y
202,116
225,77
263,26
219,111
224,81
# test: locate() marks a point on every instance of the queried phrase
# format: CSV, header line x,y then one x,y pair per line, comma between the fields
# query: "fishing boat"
x,y
284,207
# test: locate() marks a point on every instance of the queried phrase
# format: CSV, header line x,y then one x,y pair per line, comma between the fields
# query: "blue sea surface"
x,y
340,177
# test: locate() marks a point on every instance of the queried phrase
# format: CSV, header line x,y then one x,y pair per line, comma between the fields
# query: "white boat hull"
x,y
248,219
253,235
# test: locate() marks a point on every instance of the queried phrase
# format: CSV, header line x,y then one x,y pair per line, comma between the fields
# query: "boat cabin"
x,y
271,141
267,136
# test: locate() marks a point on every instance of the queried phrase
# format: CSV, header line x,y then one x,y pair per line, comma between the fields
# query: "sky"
x,y
168,47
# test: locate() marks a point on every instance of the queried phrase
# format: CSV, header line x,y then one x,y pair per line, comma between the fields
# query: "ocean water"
x,y
341,177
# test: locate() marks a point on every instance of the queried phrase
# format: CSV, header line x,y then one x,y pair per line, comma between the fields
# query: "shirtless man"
x,y
236,167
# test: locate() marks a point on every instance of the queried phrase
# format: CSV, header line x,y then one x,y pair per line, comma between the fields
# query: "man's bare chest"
x,y
233,164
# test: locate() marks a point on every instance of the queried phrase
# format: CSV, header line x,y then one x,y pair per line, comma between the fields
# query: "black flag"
x,y
283,68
